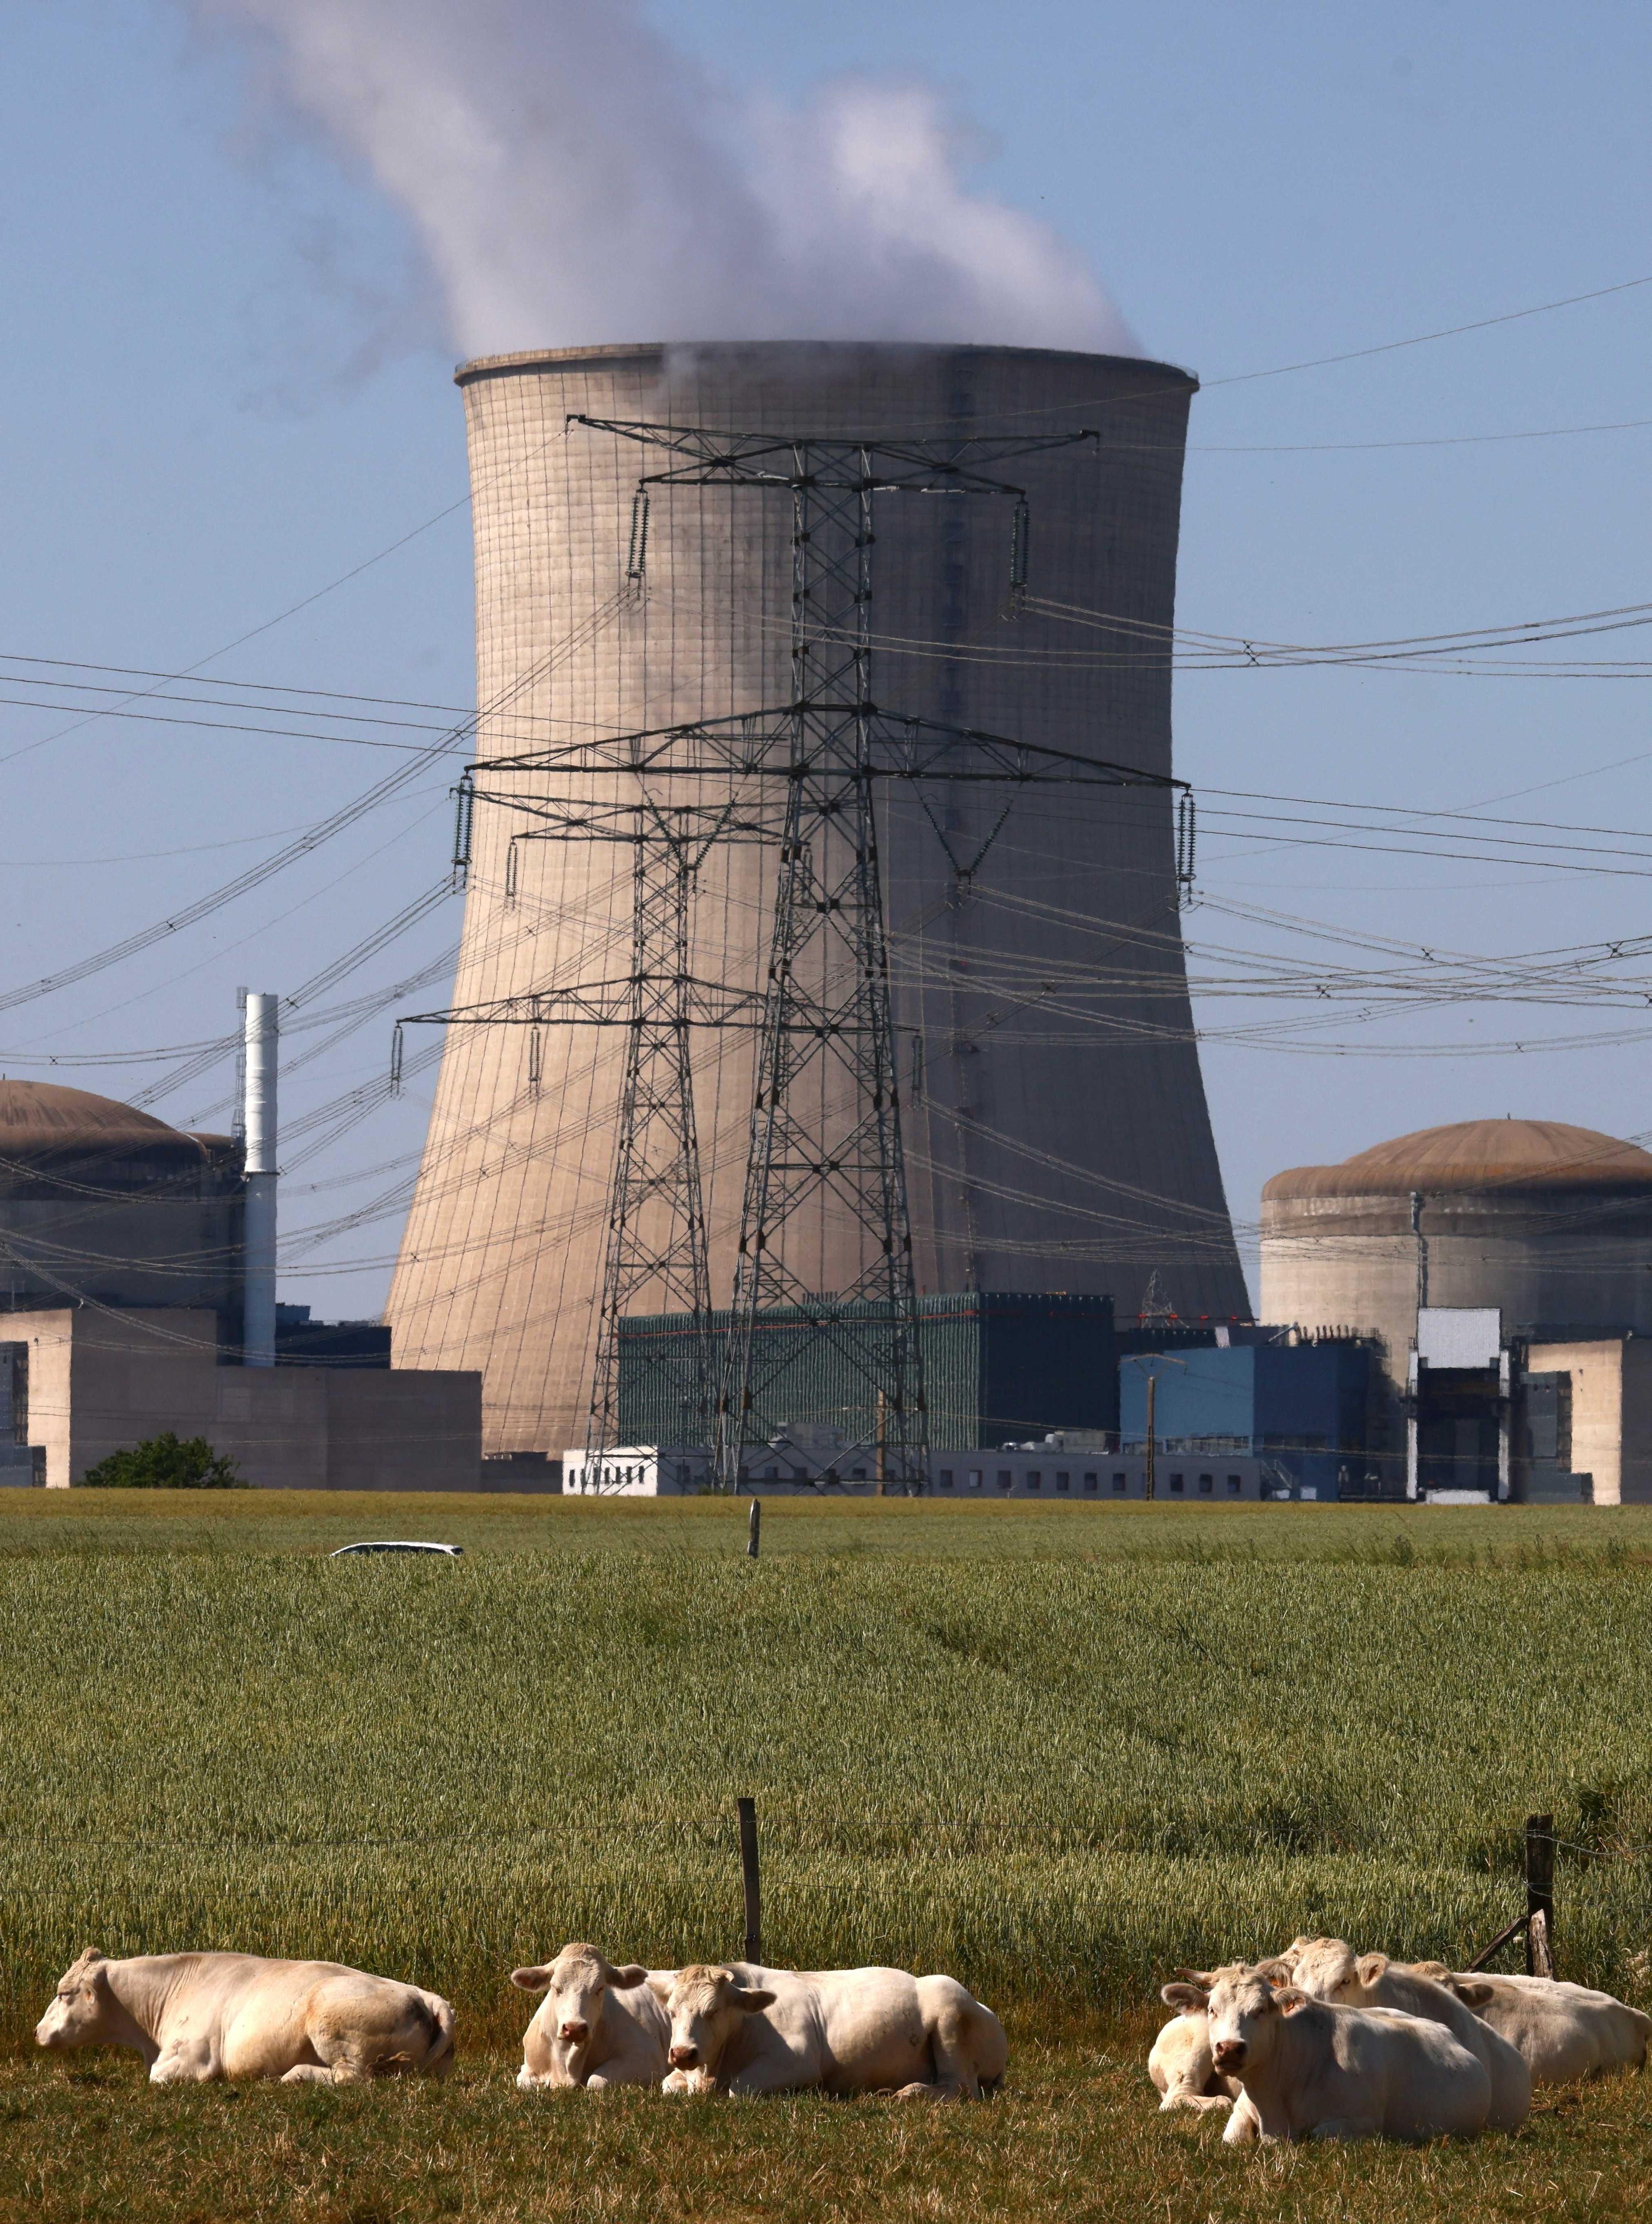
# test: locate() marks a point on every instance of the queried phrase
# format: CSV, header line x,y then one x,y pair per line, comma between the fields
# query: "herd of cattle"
x,y
1320,2043
703,2028
1315,2043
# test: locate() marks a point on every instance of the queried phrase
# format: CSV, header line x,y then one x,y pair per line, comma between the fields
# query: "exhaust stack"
x,y
258,1116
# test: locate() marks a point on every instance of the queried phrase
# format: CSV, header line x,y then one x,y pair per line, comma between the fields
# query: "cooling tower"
x,y
1055,1119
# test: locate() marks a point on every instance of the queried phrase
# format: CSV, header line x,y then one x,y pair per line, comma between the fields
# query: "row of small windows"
x,y
626,1477
975,1477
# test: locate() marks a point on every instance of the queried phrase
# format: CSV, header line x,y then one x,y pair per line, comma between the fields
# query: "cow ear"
x,y
1278,1969
1287,2000
660,1986
627,1975
1187,1999
1370,1966
1203,1978
531,1980
1471,1993
750,1998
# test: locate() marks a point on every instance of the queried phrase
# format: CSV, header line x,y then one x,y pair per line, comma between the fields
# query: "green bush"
x,y
164,1462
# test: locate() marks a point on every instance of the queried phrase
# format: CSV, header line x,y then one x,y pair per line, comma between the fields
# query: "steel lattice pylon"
x,y
826,1134
656,1217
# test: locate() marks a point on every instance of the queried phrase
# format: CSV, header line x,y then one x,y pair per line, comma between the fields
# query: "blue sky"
x,y
229,384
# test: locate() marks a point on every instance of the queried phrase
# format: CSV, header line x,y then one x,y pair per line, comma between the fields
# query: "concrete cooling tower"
x,y
1054,1121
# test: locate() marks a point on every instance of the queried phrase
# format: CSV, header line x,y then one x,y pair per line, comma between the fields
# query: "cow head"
x,y
1195,1984
1326,1969
557,2044
84,2012
1244,2010
707,2005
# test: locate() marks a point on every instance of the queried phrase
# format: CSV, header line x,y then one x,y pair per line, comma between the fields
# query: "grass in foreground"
x,y
1074,2137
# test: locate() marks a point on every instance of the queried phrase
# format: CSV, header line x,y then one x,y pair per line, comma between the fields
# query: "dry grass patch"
x,y
1074,2137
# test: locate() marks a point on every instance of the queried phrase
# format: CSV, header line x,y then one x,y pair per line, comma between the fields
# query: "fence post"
x,y
749,1874
754,1528
1540,1895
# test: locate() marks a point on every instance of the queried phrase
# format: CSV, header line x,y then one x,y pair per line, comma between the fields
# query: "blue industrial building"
x,y
1300,1407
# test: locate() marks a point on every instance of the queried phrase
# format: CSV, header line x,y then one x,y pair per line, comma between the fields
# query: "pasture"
x,y
1054,1751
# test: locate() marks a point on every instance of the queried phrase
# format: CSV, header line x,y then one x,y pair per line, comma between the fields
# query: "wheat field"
x,y
1057,1774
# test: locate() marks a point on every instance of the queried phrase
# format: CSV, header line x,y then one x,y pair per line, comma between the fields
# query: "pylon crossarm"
x,y
944,466
697,829
765,744
604,1004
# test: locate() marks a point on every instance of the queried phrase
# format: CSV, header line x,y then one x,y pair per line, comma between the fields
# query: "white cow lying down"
x,y
738,2028
198,2016
1184,2069
1327,1969
1182,2064
1311,2070
1565,2031
597,2025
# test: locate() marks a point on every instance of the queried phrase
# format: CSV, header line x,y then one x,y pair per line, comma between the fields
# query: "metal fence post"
x,y
748,1875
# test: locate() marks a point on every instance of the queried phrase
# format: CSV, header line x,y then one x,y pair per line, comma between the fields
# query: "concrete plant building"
x,y
1055,1119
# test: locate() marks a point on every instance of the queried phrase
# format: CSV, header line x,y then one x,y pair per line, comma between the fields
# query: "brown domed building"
x,y
105,1204
1548,1224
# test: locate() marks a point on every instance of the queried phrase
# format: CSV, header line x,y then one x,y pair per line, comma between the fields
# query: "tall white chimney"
x,y
258,1115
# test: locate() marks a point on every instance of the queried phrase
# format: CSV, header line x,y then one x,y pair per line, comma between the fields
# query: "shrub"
x,y
164,1462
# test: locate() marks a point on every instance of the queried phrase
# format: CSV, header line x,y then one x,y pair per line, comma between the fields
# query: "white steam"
x,y
574,178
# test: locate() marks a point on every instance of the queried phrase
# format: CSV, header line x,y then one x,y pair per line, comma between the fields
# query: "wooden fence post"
x,y
749,1874
1540,1895
753,1529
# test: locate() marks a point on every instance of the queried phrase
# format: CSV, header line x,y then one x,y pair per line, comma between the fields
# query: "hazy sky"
x,y
229,385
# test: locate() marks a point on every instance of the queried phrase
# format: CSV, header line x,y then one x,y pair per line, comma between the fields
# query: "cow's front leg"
x,y
189,2064
620,2071
307,2073
689,2081
1244,2124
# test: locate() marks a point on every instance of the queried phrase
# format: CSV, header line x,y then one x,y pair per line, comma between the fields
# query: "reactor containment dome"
x,y
1550,1223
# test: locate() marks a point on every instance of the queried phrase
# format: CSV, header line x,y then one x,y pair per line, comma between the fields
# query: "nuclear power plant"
x,y
1033,1080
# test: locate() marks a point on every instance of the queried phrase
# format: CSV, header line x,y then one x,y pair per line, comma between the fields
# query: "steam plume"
x,y
573,177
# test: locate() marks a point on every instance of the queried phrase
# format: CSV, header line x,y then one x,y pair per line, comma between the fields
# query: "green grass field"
x,y
1056,1751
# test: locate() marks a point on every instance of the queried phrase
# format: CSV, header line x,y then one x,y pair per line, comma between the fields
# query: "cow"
x,y
1565,2031
739,2028
196,2017
1181,2064
1311,2070
1329,1969
597,2025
